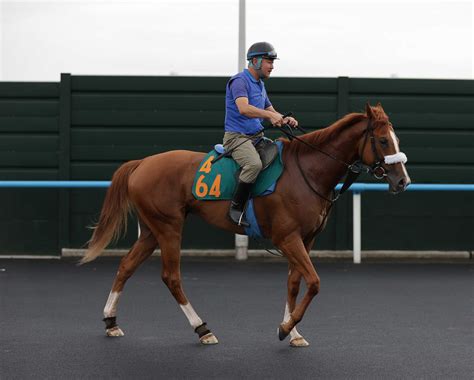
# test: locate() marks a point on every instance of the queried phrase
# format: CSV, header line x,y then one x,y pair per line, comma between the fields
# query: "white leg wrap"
x,y
192,316
110,309
293,333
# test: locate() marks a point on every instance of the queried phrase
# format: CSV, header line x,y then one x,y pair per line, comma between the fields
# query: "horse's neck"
x,y
325,172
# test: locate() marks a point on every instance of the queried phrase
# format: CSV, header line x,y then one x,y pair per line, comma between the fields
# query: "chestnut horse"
x,y
159,190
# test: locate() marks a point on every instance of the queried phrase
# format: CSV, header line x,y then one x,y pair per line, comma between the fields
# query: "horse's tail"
x,y
113,217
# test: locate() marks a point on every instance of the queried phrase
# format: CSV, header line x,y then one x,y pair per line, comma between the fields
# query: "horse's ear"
x,y
368,110
379,105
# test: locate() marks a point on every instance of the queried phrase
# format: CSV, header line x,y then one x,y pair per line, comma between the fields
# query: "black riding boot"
x,y
237,206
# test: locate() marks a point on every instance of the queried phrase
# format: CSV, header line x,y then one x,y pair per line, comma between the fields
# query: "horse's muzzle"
x,y
400,185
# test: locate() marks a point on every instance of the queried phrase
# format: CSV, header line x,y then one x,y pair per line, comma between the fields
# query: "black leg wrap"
x,y
202,330
110,322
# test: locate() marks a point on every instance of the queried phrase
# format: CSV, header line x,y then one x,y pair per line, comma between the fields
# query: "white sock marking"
x,y
192,316
110,309
293,333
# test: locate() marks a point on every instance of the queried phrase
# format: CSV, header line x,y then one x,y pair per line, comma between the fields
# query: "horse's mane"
x,y
378,116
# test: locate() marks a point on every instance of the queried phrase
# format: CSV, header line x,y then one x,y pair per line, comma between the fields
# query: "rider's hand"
x,y
291,121
276,119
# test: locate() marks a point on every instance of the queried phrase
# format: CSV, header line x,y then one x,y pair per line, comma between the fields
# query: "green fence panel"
x,y
85,127
29,147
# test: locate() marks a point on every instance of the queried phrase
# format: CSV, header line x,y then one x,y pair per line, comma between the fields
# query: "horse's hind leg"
x,y
141,250
169,238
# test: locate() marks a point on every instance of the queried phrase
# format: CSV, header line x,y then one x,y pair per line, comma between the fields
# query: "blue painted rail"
x,y
55,184
356,188
361,187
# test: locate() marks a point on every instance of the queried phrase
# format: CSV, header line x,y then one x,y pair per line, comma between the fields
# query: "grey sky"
x,y
412,39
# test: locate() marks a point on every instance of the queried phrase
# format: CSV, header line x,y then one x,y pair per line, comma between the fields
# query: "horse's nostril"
x,y
403,183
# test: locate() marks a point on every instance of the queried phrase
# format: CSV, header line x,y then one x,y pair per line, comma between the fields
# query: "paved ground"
x,y
369,321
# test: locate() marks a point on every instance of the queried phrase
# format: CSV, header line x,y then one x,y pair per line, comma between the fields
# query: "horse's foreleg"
x,y
140,251
294,279
170,242
298,257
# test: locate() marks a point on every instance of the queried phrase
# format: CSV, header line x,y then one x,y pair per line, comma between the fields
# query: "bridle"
x,y
377,169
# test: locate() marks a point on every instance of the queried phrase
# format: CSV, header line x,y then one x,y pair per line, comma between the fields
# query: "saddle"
x,y
218,180
266,148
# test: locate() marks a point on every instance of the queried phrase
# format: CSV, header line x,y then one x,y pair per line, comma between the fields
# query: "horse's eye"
x,y
384,142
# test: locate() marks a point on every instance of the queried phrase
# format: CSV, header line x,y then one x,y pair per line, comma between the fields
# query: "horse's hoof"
x,y
209,339
299,342
282,334
114,331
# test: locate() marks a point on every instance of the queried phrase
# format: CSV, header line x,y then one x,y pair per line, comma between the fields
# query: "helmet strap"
x,y
258,66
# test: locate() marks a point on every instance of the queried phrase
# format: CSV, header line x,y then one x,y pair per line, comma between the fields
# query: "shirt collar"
x,y
246,71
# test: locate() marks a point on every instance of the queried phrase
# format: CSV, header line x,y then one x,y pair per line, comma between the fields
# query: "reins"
x,y
352,173
353,170
245,139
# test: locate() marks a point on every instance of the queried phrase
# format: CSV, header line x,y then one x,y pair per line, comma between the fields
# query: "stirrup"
x,y
243,222
239,220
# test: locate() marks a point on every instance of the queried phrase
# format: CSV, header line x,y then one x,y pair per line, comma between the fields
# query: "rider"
x,y
247,104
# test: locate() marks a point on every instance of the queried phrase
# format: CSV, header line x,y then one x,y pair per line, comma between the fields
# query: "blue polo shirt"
x,y
244,85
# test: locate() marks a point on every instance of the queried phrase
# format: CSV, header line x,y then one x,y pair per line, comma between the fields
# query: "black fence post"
x,y
343,207
342,96
64,159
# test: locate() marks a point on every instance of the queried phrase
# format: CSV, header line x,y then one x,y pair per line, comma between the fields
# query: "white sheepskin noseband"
x,y
396,158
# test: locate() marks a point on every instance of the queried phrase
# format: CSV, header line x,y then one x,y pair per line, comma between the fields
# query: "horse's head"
x,y
381,152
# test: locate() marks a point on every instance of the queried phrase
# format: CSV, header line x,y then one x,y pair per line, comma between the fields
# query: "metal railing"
x,y
357,189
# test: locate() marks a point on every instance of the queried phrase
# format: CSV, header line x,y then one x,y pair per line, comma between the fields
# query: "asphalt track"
x,y
369,321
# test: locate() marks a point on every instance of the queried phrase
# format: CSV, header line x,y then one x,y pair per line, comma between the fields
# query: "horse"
x,y
158,189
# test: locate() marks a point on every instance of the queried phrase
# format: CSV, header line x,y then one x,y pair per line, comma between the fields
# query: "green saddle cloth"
x,y
218,181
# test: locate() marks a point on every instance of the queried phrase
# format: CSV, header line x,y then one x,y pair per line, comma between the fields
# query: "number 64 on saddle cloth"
x,y
218,181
